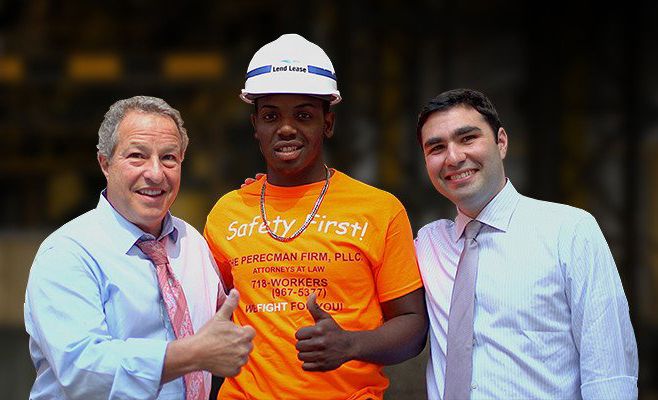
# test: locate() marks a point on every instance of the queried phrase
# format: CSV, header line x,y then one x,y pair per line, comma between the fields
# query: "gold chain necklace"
x,y
310,217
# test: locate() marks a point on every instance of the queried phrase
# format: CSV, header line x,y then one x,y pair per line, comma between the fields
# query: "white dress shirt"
x,y
551,318
98,326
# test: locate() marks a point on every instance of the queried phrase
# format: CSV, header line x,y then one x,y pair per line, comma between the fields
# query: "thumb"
x,y
230,304
316,312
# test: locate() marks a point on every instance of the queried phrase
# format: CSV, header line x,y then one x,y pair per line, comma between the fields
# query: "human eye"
x,y
435,149
135,155
469,138
169,159
304,115
268,116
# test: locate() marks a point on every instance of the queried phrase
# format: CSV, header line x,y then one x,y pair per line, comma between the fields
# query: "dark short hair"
x,y
457,97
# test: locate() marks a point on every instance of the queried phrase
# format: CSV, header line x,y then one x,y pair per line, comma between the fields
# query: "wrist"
x,y
183,356
353,345
194,353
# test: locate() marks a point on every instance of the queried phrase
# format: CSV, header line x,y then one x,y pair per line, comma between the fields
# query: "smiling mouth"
x,y
461,175
288,151
151,192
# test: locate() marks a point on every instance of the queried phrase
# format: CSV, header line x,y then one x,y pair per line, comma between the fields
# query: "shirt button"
x,y
474,386
475,342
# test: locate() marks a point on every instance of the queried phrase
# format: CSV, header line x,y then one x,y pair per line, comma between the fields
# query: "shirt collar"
x,y
496,214
124,233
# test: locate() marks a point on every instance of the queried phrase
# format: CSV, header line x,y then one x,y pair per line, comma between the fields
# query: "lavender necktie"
x,y
459,358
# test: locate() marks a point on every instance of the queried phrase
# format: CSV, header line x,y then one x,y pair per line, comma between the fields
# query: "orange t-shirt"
x,y
356,253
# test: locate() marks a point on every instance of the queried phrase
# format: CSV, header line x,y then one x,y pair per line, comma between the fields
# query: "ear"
x,y
329,118
104,162
502,142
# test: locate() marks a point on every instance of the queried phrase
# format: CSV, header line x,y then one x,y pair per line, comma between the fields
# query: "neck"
x,y
154,230
296,178
473,210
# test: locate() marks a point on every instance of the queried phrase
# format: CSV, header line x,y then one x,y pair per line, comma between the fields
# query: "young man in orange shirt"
x,y
324,264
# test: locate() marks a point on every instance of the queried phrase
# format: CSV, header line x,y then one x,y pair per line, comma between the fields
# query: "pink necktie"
x,y
459,357
179,315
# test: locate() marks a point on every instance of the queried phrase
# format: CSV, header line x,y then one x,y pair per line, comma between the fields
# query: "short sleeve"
x,y
398,273
222,261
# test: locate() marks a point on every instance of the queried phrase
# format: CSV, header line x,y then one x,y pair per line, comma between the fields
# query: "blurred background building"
x,y
575,86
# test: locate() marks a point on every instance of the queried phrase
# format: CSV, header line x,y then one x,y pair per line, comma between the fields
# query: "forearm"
x,y
180,358
219,347
397,340
326,346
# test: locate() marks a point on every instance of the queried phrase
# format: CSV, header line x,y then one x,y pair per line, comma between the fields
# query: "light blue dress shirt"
x,y
551,318
97,324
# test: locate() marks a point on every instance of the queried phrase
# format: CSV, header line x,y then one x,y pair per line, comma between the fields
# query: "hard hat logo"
x,y
290,64
291,68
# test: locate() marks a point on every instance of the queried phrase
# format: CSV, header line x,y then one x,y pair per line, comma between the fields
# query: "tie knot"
x,y
472,229
154,250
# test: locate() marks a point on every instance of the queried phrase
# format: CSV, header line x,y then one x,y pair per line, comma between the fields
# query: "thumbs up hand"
x,y
225,345
230,304
324,346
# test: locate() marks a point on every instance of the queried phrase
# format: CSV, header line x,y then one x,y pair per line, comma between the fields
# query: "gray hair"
x,y
107,133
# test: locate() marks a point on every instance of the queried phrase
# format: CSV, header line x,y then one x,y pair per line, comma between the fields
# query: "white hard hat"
x,y
291,65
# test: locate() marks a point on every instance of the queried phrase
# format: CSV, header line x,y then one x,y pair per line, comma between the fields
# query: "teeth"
x,y
287,149
462,175
150,192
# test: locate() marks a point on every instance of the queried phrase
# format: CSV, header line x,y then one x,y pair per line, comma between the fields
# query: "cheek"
x,y
174,177
263,140
264,133
130,178
118,179
433,165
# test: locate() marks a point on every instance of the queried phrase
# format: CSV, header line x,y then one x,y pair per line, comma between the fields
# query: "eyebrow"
x,y
461,131
143,147
303,105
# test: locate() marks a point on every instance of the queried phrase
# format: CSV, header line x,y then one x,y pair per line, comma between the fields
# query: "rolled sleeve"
x,y
601,322
617,388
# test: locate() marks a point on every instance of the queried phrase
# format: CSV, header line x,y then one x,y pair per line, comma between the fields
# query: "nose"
x,y
287,129
153,171
455,154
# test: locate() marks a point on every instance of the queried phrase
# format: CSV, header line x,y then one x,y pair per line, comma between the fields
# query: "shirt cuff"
x,y
618,388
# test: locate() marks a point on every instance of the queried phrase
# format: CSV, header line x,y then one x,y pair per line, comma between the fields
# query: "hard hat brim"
x,y
250,98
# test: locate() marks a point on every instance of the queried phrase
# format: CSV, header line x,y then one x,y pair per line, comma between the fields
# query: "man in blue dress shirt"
x,y
99,327
550,318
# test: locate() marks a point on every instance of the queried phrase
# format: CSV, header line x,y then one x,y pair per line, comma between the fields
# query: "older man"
x,y
121,301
